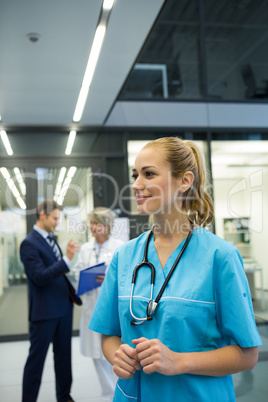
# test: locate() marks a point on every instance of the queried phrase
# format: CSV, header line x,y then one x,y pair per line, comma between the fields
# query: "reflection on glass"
x,y
168,65
236,49
12,232
16,190
77,200
71,188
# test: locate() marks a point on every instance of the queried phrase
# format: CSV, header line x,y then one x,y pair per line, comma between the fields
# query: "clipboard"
x,y
87,278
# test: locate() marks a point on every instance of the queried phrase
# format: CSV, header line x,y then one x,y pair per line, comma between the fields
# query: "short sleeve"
x,y
233,303
105,317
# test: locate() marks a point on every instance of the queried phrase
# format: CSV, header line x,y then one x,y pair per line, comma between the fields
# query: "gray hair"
x,y
104,216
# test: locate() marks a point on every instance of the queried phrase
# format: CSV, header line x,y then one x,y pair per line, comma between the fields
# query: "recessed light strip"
x,y
91,65
12,187
93,58
21,203
6,142
59,183
70,142
5,173
20,180
66,184
107,4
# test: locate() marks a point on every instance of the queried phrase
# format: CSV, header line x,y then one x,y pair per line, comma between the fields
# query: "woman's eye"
x,y
145,174
149,174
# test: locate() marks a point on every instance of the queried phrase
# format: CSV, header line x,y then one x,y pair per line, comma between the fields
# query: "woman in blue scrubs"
x,y
203,328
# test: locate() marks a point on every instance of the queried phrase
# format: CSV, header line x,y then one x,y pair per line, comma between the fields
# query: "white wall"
x,y
260,236
12,232
187,114
246,196
1,264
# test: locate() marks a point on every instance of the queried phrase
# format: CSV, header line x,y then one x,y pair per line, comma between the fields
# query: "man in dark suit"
x,y
50,307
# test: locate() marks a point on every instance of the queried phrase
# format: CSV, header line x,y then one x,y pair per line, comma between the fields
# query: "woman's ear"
x,y
186,181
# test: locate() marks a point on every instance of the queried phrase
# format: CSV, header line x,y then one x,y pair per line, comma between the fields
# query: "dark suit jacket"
x,y
48,290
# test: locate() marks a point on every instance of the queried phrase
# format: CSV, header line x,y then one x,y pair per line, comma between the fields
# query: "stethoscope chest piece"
x,y
151,308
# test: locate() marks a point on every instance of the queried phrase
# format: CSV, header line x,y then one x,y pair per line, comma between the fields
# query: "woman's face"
x,y
98,230
155,189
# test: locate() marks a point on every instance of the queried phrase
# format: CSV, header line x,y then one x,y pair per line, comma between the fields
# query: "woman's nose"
x,y
138,184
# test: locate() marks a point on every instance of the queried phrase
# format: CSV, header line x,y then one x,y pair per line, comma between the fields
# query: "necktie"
x,y
52,242
72,293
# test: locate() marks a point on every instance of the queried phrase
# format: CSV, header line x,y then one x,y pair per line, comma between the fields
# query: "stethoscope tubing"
x,y
152,305
158,297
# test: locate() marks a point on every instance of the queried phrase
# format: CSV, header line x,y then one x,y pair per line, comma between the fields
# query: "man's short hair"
x,y
48,207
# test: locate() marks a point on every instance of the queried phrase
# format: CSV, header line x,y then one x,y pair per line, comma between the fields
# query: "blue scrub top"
x,y
206,305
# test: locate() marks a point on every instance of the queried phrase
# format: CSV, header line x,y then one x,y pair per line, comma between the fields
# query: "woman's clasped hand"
x,y
151,355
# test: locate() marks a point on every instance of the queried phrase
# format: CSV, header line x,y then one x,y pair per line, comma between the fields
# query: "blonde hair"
x,y
184,156
104,216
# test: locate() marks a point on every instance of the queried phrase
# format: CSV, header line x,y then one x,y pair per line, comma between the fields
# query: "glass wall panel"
x,y
168,65
12,232
240,177
72,188
236,49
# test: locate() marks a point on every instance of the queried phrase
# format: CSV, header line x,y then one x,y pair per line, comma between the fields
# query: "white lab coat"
x,y
90,342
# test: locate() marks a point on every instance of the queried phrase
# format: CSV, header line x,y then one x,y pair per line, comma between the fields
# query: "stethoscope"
x,y
152,304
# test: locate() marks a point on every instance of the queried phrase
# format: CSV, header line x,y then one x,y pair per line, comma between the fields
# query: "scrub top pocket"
x,y
126,390
186,323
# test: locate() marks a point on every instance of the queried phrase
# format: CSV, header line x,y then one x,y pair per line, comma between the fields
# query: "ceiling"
x,y
40,81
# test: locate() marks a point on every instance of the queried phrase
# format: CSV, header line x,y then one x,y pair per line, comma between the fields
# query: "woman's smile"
x,y
141,198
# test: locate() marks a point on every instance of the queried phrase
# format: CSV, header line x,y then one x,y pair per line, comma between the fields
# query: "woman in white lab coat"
x,y
99,248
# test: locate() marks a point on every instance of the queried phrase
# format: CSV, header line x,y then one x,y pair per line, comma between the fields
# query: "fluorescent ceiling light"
x,y
20,180
12,187
108,4
21,203
64,189
94,55
92,59
61,175
5,173
57,192
66,184
91,65
6,142
70,142
71,171
59,183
